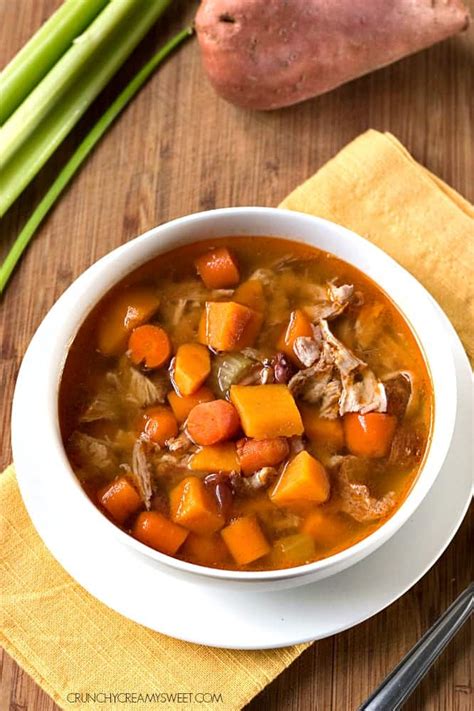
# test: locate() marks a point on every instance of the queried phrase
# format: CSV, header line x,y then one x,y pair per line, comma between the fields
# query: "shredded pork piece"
x,y
336,300
259,480
307,350
141,472
343,358
330,399
92,453
181,443
356,499
365,394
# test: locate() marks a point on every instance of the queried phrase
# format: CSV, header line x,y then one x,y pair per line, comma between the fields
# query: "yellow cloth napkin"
x,y
72,644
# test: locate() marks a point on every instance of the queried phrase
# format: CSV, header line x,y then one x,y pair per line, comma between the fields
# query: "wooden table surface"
x,y
179,149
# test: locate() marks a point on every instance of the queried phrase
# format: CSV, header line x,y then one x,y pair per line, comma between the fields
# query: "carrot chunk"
x,y
230,326
298,325
245,540
192,506
369,435
212,422
182,405
266,411
149,345
120,499
327,529
257,453
218,269
205,550
327,433
216,458
191,367
160,424
304,479
250,293
155,530
124,312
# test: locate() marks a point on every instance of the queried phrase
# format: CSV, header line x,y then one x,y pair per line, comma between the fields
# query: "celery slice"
x,y
43,50
39,125
81,153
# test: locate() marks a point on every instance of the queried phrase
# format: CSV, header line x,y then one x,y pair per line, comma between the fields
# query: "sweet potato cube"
x,y
216,458
231,326
250,293
298,325
266,411
120,499
245,540
326,433
218,268
192,506
304,480
123,313
192,365
205,550
182,405
155,530
327,529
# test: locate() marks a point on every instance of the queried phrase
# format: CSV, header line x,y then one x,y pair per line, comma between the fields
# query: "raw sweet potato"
x,y
264,54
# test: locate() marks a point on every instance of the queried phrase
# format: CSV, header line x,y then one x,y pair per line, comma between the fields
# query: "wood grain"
x,y
179,149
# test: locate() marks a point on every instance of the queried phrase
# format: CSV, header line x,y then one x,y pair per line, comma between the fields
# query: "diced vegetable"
x,y
227,369
212,422
120,499
369,435
149,345
327,529
327,433
125,312
245,540
182,405
250,293
216,458
160,424
218,269
192,506
191,367
155,530
296,549
206,550
267,411
304,480
299,325
231,326
257,453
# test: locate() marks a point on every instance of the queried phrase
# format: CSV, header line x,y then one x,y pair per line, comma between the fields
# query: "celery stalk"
x,y
43,120
43,50
81,153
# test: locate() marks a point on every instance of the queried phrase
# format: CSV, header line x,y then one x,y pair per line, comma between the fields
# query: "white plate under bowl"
x,y
261,619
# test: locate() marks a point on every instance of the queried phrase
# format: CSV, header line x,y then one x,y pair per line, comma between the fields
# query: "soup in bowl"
x,y
246,394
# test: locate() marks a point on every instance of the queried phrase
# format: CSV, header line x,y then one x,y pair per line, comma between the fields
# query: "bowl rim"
x,y
121,262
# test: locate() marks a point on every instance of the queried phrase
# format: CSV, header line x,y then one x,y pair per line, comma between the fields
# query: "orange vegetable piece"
x,y
120,499
160,424
216,458
212,422
191,367
155,530
124,312
205,550
218,269
245,540
298,325
149,345
250,293
369,435
328,433
304,479
231,326
257,453
202,337
327,529
183,404
267,411
192,506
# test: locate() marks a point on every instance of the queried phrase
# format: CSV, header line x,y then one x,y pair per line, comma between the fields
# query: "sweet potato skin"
x,y
265,54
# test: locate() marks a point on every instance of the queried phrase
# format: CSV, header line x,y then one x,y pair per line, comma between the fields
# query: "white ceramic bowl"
x,y
36,394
